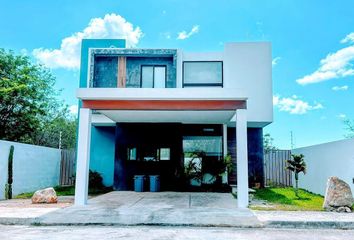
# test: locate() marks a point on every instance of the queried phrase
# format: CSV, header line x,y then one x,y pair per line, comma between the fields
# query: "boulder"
x,y
338,196
47,195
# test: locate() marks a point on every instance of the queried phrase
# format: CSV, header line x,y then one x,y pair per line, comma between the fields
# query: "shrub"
x,y
95,180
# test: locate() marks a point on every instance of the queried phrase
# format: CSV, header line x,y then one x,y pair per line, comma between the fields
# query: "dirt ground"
x,y
63,201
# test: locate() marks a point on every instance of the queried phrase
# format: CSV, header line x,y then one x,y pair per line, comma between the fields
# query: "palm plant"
x,y
297,165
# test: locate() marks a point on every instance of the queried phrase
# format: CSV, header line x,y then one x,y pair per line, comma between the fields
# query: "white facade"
x,y
242,100
247,74
326,160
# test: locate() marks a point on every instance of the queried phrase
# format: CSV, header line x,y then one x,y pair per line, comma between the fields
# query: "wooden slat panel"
x,y
275,168
122,72
67,167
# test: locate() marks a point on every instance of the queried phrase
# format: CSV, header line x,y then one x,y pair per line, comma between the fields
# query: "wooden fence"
x,y
67,167
275,172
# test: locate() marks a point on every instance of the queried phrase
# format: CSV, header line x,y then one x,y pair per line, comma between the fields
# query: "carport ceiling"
x,y
217,117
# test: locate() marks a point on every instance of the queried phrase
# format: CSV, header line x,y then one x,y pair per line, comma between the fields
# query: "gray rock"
x,y
343,209
338,196
47,195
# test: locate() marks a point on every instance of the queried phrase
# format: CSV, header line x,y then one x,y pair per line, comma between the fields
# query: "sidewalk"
x,y
305,219
23,212
166,209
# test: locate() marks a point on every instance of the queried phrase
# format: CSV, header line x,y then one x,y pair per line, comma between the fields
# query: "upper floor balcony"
x,y
150,68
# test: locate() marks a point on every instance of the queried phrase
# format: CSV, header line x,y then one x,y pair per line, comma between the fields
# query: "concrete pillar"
x,y
242,158
83,157
224,134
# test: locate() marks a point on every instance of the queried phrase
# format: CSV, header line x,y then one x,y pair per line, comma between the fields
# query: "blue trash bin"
x,y
139,183
154,183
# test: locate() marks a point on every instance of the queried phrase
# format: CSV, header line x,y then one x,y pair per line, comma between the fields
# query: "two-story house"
x,y
141,110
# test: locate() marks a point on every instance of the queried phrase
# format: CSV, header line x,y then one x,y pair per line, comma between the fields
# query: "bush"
x,y
95,180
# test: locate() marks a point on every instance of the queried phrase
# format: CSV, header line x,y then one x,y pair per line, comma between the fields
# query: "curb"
x,y
344,225
310,224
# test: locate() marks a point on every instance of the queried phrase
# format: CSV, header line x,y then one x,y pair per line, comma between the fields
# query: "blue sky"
x,y
313,50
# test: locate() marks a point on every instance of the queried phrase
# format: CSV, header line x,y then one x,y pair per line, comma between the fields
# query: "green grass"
x,y
66,191
285,199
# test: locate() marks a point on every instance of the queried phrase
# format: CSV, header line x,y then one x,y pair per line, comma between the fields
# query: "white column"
x,y
225,176
83,157
242,158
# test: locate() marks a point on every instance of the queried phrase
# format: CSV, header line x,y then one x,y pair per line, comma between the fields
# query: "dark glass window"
x,y
153,76
202,74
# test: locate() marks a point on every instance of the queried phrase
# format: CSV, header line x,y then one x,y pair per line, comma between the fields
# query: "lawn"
x,y
285,199
67,191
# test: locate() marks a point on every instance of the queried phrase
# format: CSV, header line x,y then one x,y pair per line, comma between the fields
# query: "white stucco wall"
x,y
34,167
326,160
249,66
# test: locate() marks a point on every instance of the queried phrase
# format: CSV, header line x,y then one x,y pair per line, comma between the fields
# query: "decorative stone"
x,y
47,195
338,196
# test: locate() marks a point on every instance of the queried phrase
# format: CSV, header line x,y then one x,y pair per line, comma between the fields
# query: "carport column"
x,y
224,134
83,156
242,158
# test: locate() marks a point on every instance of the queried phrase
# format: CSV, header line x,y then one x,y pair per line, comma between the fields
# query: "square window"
x,y
165,154
132,154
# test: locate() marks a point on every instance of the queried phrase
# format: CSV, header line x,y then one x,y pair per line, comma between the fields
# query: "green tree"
x,y
61,127
297,165
349,126
29,109
268,143
27,96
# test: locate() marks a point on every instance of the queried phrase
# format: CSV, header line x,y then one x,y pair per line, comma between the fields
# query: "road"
x,y
150,232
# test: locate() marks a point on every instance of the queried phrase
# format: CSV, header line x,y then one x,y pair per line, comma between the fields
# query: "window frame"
x,y
153,74
204,84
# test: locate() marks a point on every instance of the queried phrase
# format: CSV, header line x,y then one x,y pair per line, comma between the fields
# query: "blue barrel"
x,y
139,183
154,183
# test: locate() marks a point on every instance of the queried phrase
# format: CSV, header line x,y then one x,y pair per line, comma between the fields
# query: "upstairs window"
x,y
199,74
153,76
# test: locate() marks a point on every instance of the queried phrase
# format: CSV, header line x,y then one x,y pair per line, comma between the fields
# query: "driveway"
x,y
161,208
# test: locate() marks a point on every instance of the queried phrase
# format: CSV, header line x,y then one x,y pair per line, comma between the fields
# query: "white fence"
x,y
325,160
34,167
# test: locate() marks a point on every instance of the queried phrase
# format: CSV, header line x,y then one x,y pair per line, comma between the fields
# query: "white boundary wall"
x,y
325,160
34,167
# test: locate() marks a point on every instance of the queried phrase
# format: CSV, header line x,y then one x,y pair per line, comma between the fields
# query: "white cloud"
x,y
73,109
342,116
68,55
340,88
184,35
348,38
275,61
166,35
294,105
335,65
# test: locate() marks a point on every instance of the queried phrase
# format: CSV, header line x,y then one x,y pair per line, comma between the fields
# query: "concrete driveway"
x,y
161,208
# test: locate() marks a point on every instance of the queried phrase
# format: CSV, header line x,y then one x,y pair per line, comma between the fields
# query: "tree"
x,y
297,165
349,126
60,127
27,96
268,143
29,109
